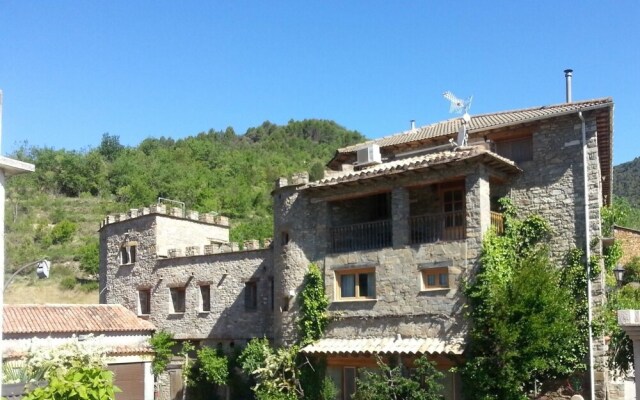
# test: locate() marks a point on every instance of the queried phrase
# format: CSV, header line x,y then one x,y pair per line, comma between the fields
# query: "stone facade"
x,y
630,241
388,234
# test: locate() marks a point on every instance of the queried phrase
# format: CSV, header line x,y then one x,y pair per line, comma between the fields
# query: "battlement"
x,y
297,179
216,247
161,209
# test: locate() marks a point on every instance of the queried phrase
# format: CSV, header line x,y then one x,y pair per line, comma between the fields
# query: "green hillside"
x,y
55,212
626,181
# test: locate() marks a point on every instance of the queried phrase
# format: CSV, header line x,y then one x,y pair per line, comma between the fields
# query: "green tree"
x,y
389,383
110,146
527,323
162,343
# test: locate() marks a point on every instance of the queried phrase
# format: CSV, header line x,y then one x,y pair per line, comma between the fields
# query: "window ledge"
x,y
204,312
176,314
143,316
349,300
431,290
124,265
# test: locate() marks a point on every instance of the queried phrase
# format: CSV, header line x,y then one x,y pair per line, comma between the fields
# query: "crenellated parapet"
x,y
161,209
216,247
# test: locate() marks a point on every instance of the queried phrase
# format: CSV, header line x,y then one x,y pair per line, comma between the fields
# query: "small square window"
x,y
356,284
144,302
128,254
435,278
251,296
178,299
205,298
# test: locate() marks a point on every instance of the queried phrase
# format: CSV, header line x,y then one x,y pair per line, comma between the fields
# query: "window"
x,y
272,293
518,150
178,299
144,302
128,253
349,382
359,284
205,298
284,238
435,278
251,296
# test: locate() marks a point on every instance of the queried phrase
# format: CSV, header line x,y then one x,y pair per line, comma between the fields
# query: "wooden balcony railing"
x,y
497,221
364,236
431,228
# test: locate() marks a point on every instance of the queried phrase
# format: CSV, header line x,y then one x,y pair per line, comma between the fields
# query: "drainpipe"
x,y
587,237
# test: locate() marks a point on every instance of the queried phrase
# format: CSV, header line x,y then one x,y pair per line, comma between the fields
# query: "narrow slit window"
x,y
205,298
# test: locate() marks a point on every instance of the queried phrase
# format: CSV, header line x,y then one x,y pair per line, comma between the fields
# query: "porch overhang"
x,y
434,161
386,346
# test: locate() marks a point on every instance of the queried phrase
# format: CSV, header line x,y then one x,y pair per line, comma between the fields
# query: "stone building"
x,y
630,241
395,224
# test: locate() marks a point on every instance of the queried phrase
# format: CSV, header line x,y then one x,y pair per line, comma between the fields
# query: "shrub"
x,y
62,232
68,283
389,383
90,257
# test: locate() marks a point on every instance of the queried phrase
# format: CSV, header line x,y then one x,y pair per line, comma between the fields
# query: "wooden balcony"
x,y
497,222
363,236
431,228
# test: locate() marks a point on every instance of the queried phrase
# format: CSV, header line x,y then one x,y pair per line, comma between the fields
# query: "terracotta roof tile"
x,y
422,161
386,346
71,318
484,122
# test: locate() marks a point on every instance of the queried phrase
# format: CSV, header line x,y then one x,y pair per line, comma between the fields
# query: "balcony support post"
x,y
478,205
400,216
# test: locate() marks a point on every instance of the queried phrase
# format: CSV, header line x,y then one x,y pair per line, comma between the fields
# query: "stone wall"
x,y
630,241
225,272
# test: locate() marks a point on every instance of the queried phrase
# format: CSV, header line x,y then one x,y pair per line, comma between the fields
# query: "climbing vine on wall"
x,y
313,307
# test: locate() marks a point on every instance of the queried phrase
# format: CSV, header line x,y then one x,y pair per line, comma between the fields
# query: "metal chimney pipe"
x,y
413,124
568,74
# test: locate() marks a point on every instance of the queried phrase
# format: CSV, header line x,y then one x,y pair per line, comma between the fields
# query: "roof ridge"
x,y
425,128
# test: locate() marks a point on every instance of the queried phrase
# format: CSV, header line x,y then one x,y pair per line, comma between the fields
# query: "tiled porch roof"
x,y
71,318
366,346
421,162
484,122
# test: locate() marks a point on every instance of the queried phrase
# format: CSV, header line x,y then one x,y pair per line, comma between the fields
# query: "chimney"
x,y
413,124
568,73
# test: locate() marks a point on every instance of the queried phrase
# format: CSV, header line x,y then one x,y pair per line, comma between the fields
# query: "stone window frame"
x,y
128,253
146,305
356,272
251,296
204,306
178,299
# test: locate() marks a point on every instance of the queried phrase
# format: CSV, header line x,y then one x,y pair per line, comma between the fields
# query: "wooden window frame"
x,y
339,274
175,293
437,274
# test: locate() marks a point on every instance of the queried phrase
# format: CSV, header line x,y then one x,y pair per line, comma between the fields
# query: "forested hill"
x,y
211,171
626,181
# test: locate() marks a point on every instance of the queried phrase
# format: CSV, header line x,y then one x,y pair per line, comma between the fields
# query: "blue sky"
x,y
73,70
